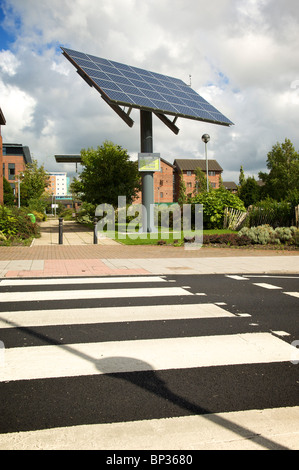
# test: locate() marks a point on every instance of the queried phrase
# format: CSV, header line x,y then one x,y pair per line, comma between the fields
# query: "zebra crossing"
x,y
98,358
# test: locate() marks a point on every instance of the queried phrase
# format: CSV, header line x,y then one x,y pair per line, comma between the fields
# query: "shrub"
x,y
214,203
264,234
232,239
7,222
276,214
15,224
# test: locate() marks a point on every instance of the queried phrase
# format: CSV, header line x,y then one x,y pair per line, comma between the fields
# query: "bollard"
x,y
95,232
60,231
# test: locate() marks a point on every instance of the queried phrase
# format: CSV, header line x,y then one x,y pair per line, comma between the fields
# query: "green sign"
x,y
148,162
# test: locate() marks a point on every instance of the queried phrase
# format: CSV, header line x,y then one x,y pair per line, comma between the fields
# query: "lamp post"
x,y
206,138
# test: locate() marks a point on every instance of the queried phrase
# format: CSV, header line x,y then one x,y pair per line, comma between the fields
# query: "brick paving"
x,y
82,258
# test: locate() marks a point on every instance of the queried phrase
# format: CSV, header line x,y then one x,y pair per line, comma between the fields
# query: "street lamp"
x,y
206,138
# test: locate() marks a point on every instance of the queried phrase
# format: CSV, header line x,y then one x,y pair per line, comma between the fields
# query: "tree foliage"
x,y
8,194
249,192
214,202
108,173
34,181
283,163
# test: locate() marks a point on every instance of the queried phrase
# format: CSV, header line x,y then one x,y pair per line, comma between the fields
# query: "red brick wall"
x,y
20,166
190,182
163,185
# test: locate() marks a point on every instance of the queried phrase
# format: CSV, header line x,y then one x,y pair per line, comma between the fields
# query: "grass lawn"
x,y
171,238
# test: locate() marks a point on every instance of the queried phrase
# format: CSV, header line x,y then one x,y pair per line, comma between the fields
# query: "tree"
x,y
34,181
107,174
250,191
283,163
8,194
242,178
182,198
200,181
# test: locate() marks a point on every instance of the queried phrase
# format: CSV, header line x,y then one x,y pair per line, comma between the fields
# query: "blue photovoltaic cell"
x,y
142,89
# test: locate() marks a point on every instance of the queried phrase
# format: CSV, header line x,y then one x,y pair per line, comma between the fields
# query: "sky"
x,y
242,56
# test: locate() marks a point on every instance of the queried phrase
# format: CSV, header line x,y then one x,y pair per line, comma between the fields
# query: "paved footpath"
x,y
78,256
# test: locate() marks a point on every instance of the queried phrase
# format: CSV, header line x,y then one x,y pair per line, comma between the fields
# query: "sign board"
x,y
149,162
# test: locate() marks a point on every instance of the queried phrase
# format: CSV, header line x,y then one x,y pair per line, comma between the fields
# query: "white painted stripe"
x,y
272,276
238,278
267,286
81,316
91,294
248,430
292,294
81,280
155,354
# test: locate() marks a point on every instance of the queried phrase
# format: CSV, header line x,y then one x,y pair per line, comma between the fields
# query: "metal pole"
x,y
207,167
60,231
19,194
95,231
146,137
206,138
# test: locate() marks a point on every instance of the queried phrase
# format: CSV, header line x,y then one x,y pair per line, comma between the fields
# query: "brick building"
x,y
163,184
167,181
188,167
2,123
15,159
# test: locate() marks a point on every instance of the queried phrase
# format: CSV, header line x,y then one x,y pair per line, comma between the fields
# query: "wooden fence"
x,y
233,218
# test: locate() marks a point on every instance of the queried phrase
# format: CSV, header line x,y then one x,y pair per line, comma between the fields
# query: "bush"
x,y
231,239
7,222
15,224
214,203
265,234
276,214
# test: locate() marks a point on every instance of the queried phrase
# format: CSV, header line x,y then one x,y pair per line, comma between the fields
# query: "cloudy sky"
x,y
242,55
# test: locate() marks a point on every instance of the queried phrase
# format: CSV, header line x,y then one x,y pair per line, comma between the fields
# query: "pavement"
x,y
79,256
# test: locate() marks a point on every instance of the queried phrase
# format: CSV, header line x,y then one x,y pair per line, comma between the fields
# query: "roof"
x,y
18,149
2,118
192,164
230,185
167,163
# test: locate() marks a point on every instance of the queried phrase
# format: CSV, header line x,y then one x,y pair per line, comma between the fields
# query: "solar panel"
x,y
121,84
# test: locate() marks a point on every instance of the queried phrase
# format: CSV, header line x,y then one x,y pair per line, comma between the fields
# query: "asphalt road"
x,y
124,351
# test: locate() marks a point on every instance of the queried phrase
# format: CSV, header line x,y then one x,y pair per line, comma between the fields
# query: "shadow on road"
x,y
120,367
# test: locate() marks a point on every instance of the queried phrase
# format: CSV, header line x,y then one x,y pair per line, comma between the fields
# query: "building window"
x,y
189,173
11,171
212,173
189,185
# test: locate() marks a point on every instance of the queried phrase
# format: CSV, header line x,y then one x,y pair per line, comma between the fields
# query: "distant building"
x,y
59,184
2,123
15,159
187,168
230,186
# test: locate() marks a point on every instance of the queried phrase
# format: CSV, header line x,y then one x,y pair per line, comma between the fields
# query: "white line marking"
x,y
267,286
293,294
237,278
81,280
110,315
91,294
155,354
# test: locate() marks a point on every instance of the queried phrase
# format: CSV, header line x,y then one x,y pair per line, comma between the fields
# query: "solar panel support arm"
x,y
169,123
125,116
